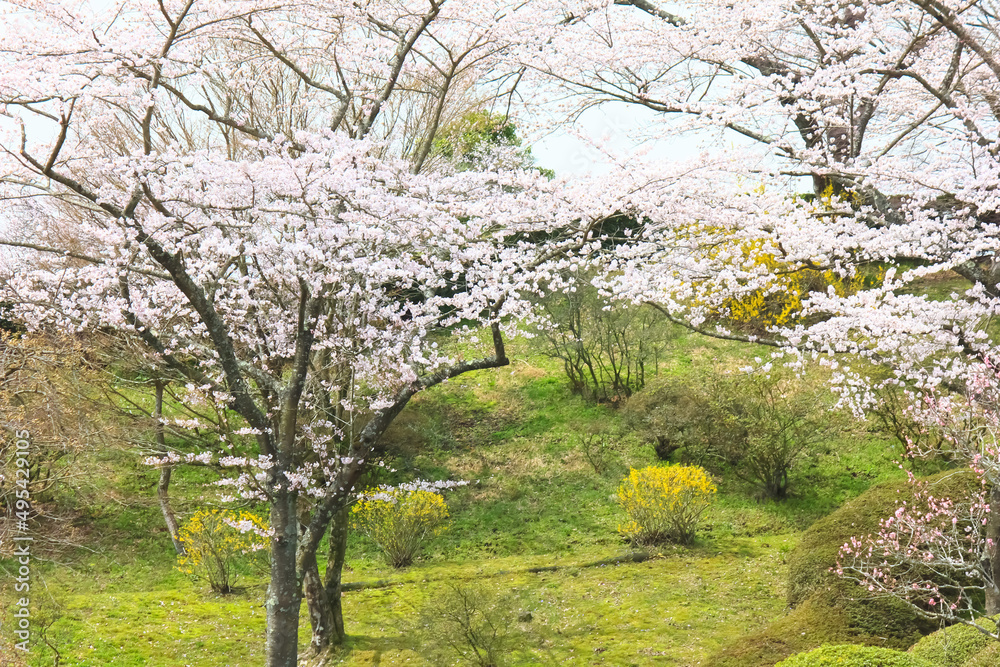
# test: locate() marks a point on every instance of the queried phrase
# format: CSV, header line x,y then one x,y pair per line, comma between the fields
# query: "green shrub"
x,y
605,348
667,414
399,520
664,503
597,447
988,657
892,412
953,646
850,655
218,552
758,425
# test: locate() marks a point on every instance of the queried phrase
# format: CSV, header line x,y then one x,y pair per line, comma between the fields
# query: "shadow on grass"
x,y
371,650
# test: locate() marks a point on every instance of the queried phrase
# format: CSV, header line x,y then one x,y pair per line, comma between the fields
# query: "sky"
x,y
567,151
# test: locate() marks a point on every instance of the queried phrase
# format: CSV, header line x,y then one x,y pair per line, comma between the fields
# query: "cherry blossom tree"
x,y
887,109
250,190
230,187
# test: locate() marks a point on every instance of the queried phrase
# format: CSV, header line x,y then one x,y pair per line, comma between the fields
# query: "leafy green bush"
x,y
221,545
850,655
399,520
953,646
664,503
759,425
605,349
668,413
892,412
598,447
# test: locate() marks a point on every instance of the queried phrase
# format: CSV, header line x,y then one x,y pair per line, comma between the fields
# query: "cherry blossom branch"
x,y
62,252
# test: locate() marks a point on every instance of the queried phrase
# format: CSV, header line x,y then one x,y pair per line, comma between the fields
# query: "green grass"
x,y
533,502
175,626
671,609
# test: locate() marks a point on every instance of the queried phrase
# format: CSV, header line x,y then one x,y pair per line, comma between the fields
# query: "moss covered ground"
x,y
537,522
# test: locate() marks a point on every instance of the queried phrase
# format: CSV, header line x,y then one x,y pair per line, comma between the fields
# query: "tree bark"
x,y
323,595
163,493
163,487
284,591
332,581
321,618
993,554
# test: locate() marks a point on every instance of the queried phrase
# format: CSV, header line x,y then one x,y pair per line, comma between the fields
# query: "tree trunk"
x,y
163,493
332,581
284,596
324,595
320,613
993,554
163,488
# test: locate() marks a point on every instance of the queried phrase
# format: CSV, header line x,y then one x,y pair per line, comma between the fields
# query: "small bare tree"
x,y
607,349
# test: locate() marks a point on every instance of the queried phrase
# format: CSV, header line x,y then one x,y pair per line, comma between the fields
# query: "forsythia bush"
x,y
664,503
219,545
781,303
398,520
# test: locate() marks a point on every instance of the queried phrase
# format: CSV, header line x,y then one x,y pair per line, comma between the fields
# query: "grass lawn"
x,y
536,526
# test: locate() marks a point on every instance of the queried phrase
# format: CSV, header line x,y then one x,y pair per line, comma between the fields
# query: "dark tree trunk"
x,y
320,614
284,591
332,581
323,595
993,555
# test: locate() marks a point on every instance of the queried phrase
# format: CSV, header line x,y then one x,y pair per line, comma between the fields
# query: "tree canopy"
x,y
257,192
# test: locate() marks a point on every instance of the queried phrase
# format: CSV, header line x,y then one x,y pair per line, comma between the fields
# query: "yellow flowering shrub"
x,y
664,503
763,309
398,520
780,304
220,545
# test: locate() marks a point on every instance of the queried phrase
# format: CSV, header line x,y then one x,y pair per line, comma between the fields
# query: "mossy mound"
x,y
831,610
988,657
809,625
809,564
819,621
854,656
954,646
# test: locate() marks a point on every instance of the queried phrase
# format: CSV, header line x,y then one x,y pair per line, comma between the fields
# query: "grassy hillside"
x,y
534,533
